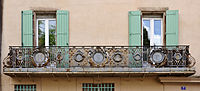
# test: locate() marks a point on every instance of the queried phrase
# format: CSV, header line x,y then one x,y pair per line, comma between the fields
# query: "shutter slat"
x,y
172,27
134,33
27,28
62,28
63,34
135,28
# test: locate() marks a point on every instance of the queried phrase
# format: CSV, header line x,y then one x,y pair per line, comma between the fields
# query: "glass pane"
x,y
146,32
157,27
52,32
41,32
157,32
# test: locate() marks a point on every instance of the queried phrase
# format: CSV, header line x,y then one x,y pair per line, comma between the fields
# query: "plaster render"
x,y
100,22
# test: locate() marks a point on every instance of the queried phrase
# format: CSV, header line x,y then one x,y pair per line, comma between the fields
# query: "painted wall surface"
x,y
75,84
184,86
99,22
121,84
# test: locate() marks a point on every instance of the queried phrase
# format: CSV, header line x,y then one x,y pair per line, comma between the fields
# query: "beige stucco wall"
x,y
75,83
121,83
177,86
100,22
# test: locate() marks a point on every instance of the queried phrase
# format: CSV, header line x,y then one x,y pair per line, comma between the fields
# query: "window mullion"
x,y
46,32
37,26
161,27
152,32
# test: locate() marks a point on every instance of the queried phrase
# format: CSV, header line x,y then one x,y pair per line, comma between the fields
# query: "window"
x,y
46,32
98,87
25,88
48,28
152,31
45,28
153,27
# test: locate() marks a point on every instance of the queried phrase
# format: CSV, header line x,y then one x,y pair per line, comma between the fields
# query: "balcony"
x,y
99,60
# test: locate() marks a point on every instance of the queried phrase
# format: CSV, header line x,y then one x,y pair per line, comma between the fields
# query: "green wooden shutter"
x,y
134,36
62,28
27,28
172,27
63,36
134,28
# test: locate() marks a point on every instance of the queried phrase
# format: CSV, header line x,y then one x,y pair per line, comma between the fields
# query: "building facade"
x,y
100,45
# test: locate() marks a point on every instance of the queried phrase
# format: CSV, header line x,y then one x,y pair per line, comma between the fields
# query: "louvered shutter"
x,y
27,28
134,36
135,28
172,27
62,17
62,28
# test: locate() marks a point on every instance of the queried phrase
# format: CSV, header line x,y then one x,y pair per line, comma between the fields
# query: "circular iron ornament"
x,y
79,57
157,57
137,57
98,57
177,56
39,58
117,57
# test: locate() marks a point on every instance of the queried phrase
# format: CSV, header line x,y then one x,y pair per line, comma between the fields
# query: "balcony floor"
x,y
108,72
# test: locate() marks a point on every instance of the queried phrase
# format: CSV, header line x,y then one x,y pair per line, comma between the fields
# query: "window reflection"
x,y
146,34
152,32
52,32
157,27
41,32
157,32
46,32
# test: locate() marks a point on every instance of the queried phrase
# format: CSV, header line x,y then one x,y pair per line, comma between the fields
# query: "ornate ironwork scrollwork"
x,y
191,61
137,57
177,56
98,57
8,60
19,58
40,58
59,57
79,57
117,57
158,57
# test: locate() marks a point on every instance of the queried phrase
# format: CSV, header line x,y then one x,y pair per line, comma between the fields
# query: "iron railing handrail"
x,y
106,46
128,56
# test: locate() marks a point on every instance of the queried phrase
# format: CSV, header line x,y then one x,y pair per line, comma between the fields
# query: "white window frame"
x,y
46,31
152,28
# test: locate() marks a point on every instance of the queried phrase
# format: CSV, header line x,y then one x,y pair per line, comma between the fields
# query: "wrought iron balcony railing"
x,y
99,57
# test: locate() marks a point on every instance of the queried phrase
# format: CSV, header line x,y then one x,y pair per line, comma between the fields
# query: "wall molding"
x,y
179,79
